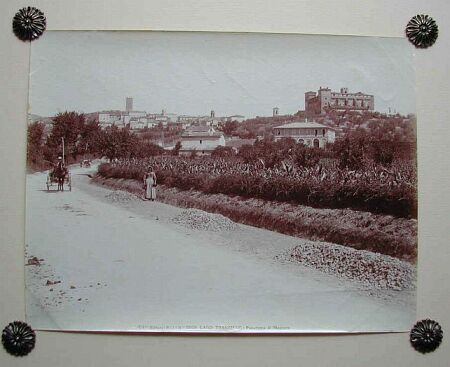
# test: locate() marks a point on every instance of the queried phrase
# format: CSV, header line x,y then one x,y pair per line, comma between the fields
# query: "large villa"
x,y
309,133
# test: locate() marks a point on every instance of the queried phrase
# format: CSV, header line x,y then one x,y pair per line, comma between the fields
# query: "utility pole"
x,y
62,139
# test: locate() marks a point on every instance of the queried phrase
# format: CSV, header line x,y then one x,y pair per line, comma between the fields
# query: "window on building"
x,y
200,141
315,132
323,132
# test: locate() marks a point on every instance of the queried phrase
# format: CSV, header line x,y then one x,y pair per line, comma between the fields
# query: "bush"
x,y
373,188
223,152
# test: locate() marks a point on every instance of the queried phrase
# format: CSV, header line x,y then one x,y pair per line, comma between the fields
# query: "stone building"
x,y
237,118
129,104
310,134
201,139
325,99
110,118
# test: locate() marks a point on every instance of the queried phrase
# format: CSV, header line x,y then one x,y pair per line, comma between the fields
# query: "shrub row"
x,y
315,188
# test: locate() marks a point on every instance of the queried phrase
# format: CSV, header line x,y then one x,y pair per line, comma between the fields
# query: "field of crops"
x,y
375,188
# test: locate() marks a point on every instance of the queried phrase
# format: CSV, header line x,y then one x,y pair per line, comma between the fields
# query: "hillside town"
x,y
327,116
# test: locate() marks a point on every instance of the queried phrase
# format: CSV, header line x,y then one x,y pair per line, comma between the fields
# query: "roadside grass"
x,y
378,233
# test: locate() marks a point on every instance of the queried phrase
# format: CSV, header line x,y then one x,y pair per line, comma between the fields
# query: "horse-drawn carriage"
x,y
85,163
59,177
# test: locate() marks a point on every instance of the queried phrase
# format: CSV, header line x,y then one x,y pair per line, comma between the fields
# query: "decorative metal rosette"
x,y
18,338
426,336
29,23
422,31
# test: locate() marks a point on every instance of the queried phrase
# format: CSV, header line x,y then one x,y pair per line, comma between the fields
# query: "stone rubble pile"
x,y
204,221
373,270
120,196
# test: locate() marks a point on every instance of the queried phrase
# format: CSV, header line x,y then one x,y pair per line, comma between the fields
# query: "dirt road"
x,y
107,260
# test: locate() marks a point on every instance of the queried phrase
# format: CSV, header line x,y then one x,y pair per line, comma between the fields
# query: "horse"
x,y
60,174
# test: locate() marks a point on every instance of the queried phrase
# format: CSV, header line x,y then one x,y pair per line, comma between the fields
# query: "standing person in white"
x,y
150,184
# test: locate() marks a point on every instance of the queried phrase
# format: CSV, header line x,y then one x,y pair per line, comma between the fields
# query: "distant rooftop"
x,y
305,125
201,131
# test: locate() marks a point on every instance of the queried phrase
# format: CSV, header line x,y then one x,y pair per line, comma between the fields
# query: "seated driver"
x,y
59,166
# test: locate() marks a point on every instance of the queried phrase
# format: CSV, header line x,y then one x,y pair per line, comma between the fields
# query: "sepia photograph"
x,y
213,182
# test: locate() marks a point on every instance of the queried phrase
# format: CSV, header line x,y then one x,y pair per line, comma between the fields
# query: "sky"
x,y
193,73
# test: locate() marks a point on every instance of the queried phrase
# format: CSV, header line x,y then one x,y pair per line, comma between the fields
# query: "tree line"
x,y
83,139
356,150
382,143
403,126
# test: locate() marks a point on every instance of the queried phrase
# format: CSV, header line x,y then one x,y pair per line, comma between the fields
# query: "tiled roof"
x,y
202,136
201,131
305,125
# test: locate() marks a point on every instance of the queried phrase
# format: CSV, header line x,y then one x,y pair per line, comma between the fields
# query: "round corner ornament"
x,y
422,31
18,338
426,336
29,23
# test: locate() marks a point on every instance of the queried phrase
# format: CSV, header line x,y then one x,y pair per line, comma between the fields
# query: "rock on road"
x,y
107,265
